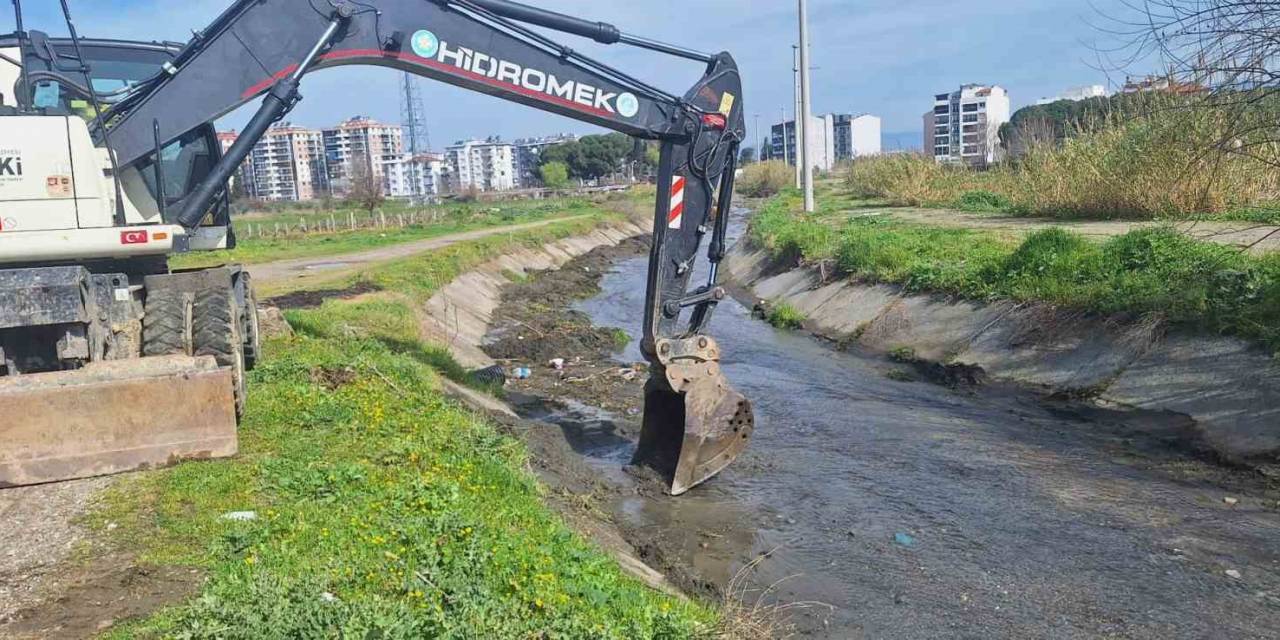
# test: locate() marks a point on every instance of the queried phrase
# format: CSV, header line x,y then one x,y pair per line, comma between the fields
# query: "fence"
x,y
336,223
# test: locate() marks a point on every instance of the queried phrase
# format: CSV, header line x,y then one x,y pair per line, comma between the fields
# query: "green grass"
x,y
451,219
982,201
1202,286
785,316
620,339
384,510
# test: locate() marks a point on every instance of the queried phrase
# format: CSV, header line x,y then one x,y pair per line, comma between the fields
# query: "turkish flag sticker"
x,y
133,237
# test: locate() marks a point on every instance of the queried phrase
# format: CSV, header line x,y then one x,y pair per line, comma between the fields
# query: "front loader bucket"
x,y
692,431
114,416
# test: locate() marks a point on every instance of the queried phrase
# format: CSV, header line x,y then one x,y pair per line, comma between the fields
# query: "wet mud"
x,y
880,500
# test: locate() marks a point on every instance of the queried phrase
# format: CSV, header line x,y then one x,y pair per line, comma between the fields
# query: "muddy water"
x,y
911,511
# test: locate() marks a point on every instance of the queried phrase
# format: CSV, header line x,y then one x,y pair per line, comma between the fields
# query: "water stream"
x,y
913,511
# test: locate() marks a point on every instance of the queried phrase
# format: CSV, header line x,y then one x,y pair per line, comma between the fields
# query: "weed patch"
x,y
785,316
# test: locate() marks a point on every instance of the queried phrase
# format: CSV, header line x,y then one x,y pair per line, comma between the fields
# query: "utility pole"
x,y
759,151
786,151
807,170
798,125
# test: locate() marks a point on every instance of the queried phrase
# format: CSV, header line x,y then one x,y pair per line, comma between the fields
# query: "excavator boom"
x,y
694,423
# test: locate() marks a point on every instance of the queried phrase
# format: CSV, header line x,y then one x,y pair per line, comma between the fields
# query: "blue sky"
x,y
886,57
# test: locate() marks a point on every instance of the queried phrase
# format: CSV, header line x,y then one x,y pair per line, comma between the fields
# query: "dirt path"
x,y
303,272
1258,238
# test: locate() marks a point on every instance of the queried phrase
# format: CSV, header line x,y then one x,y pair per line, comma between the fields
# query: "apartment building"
x,y
483,165
241,177
359,143
855,135
529,157
288,163
414,177
833,138
821,142
1076,94
964,126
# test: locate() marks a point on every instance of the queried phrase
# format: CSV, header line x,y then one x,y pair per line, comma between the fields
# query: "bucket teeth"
x,y
695,424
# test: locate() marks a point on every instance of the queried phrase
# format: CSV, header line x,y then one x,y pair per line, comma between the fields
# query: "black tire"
x,y
164,323
249,323
215,331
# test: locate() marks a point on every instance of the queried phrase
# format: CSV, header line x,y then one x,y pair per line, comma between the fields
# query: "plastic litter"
x,y
494,374
904,539
556,363
522,373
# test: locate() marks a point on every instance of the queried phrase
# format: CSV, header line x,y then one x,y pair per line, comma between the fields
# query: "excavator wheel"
x,y
249,334
215,331
164,325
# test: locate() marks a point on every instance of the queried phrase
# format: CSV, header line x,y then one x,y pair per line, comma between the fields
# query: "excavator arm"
x,y
695,424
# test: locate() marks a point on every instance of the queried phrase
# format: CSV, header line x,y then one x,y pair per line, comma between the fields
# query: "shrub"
x,y
555,175
764,179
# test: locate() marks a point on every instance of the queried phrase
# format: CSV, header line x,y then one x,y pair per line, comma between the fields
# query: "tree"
x,y
746,156
365,186
591,157
555,175
1218,58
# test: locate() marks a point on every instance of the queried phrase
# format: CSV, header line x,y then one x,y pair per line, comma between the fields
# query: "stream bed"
x,y
869,505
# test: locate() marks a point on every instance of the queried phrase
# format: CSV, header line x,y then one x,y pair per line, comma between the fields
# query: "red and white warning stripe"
x,y
676,215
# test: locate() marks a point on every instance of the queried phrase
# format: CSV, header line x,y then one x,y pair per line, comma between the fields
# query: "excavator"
x,y
111,360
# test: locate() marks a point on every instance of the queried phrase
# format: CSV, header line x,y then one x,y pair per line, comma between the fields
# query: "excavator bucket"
x,y
114,416
695,424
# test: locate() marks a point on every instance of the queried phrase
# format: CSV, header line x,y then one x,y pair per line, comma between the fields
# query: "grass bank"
x,y
1157,271
452,218
382,509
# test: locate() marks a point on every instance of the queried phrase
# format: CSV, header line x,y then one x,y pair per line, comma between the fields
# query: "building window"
x,y
942,120
941,151
971,117
972,106
942,96
970,150
941,109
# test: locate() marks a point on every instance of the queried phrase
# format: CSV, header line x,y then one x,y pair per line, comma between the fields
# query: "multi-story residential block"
x,y
288,163
965,127
242,177
414,177
1162,84
1076,94
483,165
781,142
855,136
360,144
832,138
529,157
821,137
